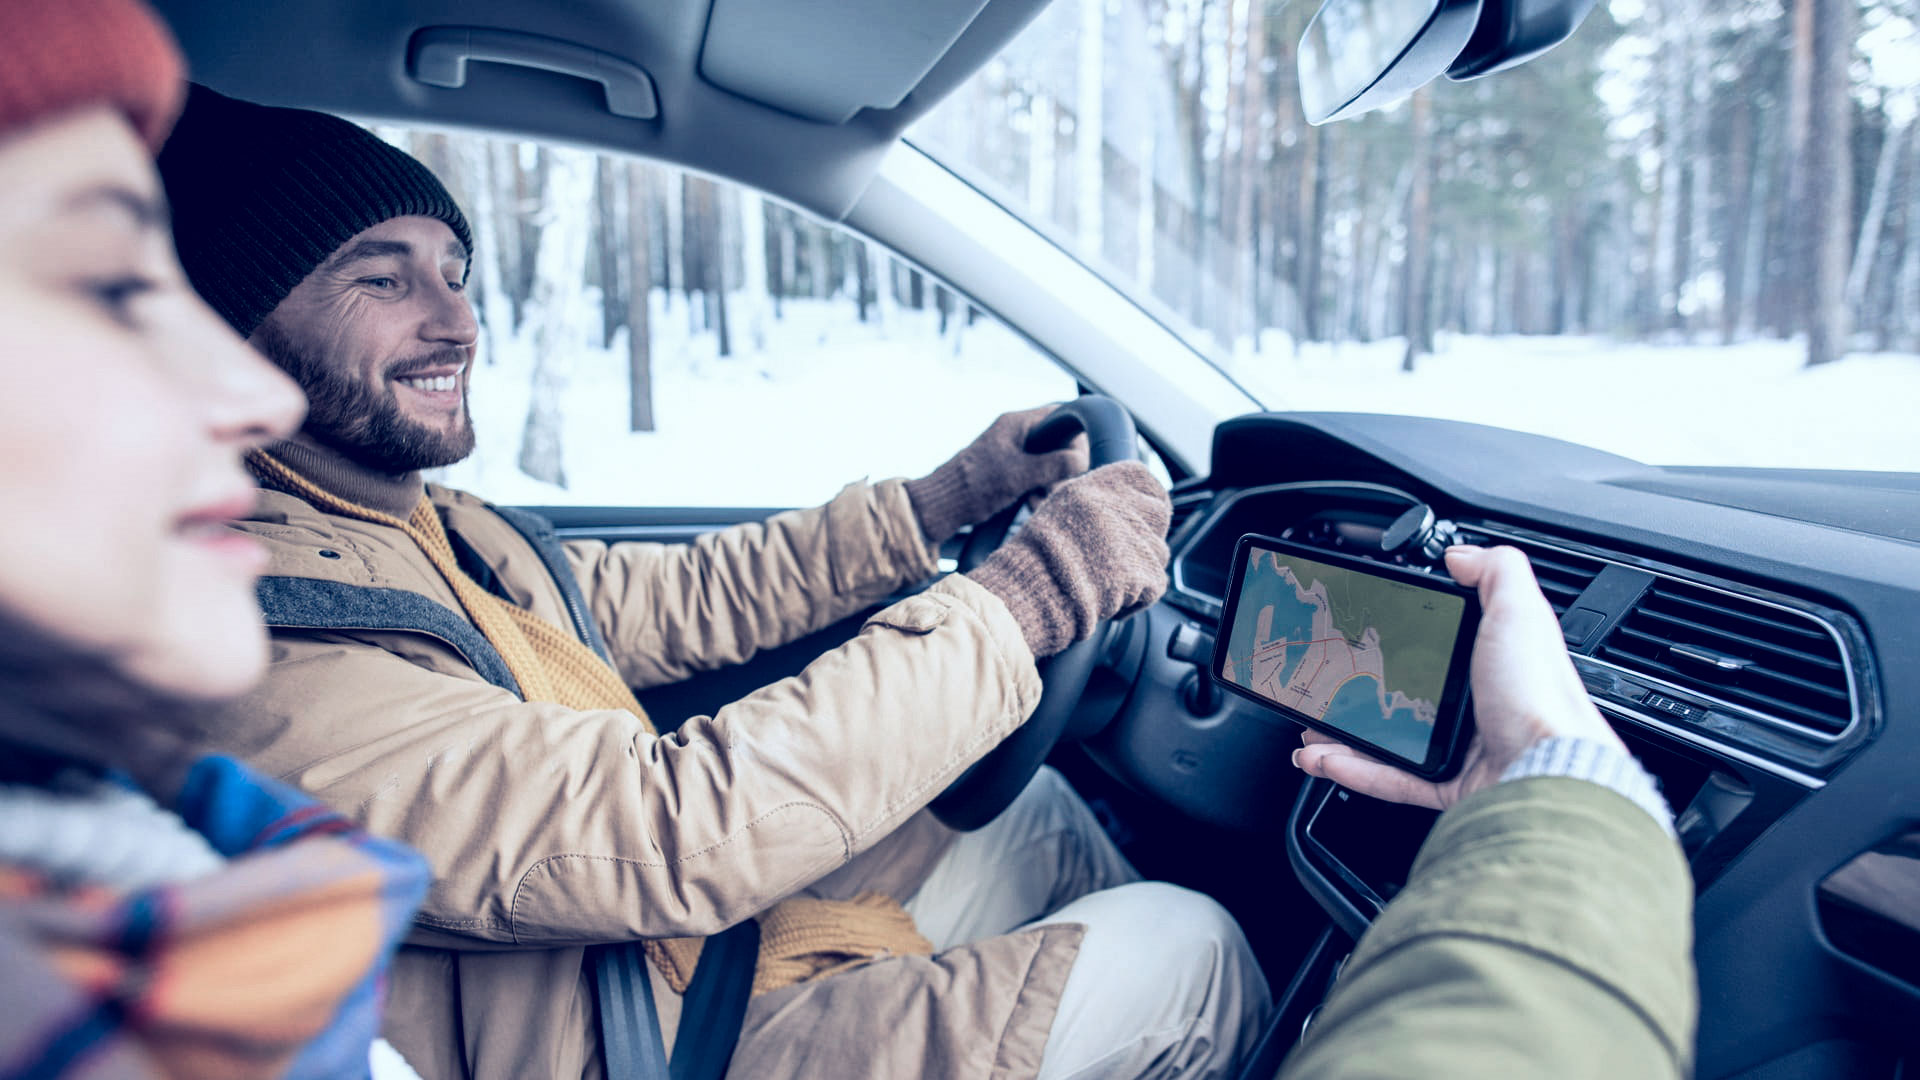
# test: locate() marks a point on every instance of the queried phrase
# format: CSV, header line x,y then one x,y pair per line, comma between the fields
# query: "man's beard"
x,y
363,421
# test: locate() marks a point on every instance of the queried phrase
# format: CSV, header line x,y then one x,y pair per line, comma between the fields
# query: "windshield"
x,y
1686,235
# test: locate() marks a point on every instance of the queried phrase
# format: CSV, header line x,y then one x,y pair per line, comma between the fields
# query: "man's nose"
x,y
452,319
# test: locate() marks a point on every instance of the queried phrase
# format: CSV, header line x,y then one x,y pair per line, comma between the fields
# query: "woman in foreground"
x,y
162,912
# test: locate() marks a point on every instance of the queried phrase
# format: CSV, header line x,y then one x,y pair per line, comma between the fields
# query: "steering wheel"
x,y
991,784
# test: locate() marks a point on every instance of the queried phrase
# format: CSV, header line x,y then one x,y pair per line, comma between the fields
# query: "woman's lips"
x,y
210,528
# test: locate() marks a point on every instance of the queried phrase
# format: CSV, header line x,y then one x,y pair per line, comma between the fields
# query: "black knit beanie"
x,y
262,195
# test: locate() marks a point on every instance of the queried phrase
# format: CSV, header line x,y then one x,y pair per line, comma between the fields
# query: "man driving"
x,y
453,676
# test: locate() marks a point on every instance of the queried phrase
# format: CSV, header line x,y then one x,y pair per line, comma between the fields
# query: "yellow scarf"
x,y
799,938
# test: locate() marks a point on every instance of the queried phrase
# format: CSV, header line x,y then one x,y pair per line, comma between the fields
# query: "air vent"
x,y
1563,576
1774,661
1187,507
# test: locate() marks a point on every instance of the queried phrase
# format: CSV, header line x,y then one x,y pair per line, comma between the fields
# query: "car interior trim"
x,y
1694,738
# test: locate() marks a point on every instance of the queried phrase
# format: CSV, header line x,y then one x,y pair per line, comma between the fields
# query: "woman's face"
x,y
125,405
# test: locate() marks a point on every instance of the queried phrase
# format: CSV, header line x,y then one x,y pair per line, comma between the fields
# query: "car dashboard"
x,y
1745,632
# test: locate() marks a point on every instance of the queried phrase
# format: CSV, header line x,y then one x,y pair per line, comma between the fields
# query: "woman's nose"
x,y
247,400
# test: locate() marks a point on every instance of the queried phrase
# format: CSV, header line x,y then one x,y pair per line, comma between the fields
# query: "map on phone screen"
x,y
1364,654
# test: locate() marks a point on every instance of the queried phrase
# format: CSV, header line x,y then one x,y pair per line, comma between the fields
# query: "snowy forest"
x,y
1724,187
1714,169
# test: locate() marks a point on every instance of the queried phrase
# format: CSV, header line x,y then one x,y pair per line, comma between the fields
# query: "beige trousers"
x,y
1164,984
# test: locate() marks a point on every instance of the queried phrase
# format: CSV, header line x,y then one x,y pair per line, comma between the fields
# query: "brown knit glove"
x,y
1095,549
990,474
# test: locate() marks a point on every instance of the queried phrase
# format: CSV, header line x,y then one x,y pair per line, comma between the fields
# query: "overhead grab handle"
x,y
438,56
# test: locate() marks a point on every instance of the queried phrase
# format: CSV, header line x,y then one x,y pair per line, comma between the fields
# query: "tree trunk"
x,y
1250,167
1746,184
1906,292
490,298
1669,237
718,260
1416,291
693,253
506,180
640,298
1700,245
1868,247
1041,133
1089,132
608,240
673,219
789,262
1146,235
530,192
820,263
1830,181
554,310
1312,231
862,280
1791,304
754,294
880,274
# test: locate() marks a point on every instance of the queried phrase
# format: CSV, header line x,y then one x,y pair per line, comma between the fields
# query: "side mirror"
x,y
1361,55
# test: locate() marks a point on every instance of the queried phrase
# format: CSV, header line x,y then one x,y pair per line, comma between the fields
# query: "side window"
x,y
654,338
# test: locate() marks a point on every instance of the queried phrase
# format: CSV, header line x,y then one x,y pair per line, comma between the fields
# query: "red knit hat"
x,y
57,55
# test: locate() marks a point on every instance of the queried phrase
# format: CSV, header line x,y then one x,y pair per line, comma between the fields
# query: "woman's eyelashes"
x,y
117,294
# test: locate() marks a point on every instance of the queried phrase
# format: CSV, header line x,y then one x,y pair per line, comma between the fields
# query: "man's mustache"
x,y
439,358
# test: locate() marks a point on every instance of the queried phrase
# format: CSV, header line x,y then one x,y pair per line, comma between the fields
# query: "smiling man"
x,y
449,673
388,394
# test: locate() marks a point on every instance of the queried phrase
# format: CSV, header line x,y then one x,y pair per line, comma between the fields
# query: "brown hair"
x,y
64,707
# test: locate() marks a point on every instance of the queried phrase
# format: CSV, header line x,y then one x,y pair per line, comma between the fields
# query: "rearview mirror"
x,y
1514,31
1360,55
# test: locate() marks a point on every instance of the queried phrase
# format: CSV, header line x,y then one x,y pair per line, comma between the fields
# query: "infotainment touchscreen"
x,y
1372,654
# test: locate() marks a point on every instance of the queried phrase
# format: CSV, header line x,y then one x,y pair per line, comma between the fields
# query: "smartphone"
x,y
1371,654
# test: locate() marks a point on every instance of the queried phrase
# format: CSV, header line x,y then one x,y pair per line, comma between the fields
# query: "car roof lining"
x,y
351,57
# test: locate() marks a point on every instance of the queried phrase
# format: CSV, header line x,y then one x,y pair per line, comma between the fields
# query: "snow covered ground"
x,y
824,399
1747,404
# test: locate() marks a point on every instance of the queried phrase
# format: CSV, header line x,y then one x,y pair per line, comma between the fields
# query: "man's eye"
x,y
117,294
381,282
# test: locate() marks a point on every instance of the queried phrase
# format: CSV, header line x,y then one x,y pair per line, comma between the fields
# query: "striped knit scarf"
x,y
800,938
272,964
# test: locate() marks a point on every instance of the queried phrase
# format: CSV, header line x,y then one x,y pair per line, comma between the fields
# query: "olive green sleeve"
x,y
1546,931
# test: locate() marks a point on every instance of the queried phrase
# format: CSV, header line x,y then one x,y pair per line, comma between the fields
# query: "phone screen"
x,y
1362,655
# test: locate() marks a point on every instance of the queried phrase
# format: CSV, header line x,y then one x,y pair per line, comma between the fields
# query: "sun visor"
x,y
827,62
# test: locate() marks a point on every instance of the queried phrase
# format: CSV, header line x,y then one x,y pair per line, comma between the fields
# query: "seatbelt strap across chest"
x,y
710,1020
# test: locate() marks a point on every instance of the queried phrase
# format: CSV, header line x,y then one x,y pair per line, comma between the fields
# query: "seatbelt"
x,y
711,1015
716,1004
630,1043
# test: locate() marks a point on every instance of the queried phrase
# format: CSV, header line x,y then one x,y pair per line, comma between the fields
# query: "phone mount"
x,y
1418,531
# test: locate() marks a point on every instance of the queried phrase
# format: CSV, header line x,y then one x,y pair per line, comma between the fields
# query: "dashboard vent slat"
x,y
1774,661
1744,643
1562,575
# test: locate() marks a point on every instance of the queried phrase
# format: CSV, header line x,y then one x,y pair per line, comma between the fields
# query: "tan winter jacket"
x,y
550,829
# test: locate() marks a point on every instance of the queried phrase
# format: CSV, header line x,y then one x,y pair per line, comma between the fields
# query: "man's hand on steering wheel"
x,y
1096,549
992,473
